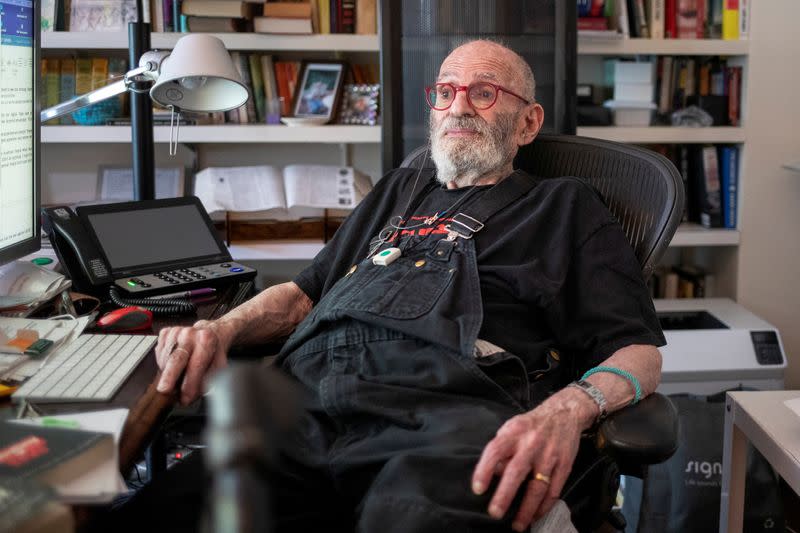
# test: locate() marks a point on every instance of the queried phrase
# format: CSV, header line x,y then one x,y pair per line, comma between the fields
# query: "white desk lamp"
x,y
198,75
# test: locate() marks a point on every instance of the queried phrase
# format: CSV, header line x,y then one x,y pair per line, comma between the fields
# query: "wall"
x,y
769,218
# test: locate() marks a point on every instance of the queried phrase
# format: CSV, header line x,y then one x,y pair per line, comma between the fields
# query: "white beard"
x,y
464,161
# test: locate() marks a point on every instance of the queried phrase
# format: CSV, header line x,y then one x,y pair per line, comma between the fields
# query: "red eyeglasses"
x,y
480,95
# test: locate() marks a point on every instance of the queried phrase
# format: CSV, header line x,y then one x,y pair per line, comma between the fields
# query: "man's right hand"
x,y
192,352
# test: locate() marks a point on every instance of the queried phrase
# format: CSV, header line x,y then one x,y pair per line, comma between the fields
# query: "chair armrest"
x,y
640,435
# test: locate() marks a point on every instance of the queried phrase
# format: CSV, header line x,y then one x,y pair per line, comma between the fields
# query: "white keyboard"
x,y
90,368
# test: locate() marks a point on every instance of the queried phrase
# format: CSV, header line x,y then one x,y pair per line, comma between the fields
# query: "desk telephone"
x,y
140,248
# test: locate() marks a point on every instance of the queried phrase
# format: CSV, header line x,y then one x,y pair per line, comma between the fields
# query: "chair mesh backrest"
x,y
641,188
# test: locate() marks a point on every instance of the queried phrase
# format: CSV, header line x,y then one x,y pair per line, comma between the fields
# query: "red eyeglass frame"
x,y
456,88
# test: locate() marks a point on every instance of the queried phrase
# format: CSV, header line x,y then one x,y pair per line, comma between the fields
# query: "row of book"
x,y
711,182
664,19
707,82
271,82
683,281
282,17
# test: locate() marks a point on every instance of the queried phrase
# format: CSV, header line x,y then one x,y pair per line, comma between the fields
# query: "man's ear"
x,y
532,120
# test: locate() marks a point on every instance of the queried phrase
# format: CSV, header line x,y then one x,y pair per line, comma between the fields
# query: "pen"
x,y
195,293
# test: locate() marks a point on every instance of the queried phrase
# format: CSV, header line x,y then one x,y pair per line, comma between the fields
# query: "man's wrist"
x,y
580,406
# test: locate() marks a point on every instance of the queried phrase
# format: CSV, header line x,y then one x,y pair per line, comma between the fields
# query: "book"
x,y
48,15
670,19
217,8
67,85
656,16
730,20
705,187
641,19
50,77
686,19
55,456
243,66
744,19
714,20
269,193
157,9
213,24
99,72
290,10
623,24
324,10
282,25
700,25
257,83
366,17
734,76
729,177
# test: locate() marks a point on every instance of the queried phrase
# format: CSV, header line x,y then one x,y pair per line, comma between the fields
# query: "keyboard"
x,y
91,368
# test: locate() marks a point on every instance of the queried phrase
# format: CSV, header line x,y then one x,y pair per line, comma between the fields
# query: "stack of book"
x,y
210,16
633,93
664,19
683,281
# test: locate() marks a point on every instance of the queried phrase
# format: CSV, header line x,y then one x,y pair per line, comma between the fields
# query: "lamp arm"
x,y
98,95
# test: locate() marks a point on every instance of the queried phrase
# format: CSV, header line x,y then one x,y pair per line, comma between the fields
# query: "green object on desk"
x,y
41,261
59,423
39,347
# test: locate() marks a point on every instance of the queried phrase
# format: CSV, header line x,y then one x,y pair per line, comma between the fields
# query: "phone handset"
x,y
80,257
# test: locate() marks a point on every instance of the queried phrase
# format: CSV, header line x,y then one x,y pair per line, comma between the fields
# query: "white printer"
x,y
715,344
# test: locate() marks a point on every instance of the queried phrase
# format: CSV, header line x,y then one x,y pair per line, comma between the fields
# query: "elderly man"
x,y
438,335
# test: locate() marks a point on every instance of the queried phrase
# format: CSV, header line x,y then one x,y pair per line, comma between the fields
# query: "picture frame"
x,y
103,15
318,90
360,104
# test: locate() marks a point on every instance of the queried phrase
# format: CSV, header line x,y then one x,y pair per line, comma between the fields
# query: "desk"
x,y
774,429
148,407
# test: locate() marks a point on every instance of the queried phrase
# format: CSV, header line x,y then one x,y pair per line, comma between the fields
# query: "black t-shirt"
x,y
555,267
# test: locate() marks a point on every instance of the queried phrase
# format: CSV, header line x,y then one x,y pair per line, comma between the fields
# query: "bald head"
x,y
501,59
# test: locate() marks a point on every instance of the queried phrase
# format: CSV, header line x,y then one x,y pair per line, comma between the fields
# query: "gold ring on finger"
x,y
541,477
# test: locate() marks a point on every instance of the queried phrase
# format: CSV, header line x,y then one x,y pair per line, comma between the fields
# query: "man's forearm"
x,y
642,361
272,314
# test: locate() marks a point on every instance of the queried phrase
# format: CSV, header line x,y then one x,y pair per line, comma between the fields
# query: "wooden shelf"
x,y
275,250
695,235
693,47
218,134
66,40
664,134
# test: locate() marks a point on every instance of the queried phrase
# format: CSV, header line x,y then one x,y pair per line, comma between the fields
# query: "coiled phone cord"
x,y
171,306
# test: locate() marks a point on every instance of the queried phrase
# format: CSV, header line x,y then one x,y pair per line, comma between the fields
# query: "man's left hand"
x,y
542,444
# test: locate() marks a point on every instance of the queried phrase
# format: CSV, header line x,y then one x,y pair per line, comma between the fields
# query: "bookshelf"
x,y
65,40
715,249
245,133
70,153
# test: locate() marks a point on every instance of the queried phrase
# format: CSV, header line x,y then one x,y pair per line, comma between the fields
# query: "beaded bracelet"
x,y
622,373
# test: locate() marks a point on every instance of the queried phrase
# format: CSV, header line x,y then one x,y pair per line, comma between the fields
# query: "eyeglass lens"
x,y
480,95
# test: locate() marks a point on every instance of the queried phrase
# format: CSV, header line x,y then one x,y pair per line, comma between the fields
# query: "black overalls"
x,y
399,408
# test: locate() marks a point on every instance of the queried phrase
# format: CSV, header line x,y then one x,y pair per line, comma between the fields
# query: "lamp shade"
x,y
199,76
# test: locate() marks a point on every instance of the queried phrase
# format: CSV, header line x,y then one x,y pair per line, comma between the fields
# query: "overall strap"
x,y
474,216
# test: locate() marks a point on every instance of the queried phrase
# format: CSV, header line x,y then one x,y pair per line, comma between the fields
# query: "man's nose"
x,y
461,105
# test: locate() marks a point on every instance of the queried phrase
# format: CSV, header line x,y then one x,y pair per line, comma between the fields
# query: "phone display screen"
x,y
141,237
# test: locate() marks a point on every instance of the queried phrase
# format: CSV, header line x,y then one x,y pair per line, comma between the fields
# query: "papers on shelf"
x,y
267,193
101,483
23,286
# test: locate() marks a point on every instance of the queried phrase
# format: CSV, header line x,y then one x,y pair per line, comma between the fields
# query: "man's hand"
x,y
543,441
197,350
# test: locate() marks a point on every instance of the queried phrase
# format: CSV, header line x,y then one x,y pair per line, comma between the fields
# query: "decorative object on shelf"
x,y
360,104
317,94
197,75
101,15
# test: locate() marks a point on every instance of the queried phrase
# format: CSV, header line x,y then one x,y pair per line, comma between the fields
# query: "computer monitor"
x,y
20,192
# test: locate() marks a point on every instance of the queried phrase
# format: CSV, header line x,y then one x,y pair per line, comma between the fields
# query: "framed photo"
x,y
317,93
360,104
103,15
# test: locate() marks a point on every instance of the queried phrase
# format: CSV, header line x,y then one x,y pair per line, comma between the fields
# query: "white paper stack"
x,y
634,93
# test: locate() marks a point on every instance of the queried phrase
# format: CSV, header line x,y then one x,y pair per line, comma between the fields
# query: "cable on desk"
x,y
172,306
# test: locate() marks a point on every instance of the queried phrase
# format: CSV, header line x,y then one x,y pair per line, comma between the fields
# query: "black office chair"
x,y
644,191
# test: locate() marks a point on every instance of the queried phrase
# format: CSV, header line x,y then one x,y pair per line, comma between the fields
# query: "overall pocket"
x,y
408,288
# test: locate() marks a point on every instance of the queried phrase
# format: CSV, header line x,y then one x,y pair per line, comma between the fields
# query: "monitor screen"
x,y
19,129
